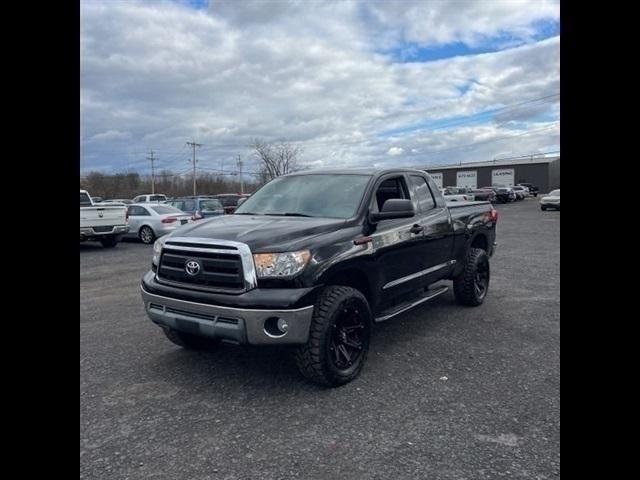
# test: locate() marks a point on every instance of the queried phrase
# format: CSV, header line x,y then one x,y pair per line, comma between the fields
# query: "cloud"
x,y
158,74
395,151
111,135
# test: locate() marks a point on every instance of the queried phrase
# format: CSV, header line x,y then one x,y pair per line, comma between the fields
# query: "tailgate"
x,y
102,216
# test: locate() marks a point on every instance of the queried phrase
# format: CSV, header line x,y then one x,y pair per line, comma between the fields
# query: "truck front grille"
x,y
217,271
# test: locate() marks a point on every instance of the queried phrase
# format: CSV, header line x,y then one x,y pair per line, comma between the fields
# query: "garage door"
x,y
467,179
502,176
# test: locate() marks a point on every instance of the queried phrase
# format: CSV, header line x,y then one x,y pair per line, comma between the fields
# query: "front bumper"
x,y
238,325
89,232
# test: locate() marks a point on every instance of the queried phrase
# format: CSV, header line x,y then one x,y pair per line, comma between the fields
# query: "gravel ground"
x,y
447,392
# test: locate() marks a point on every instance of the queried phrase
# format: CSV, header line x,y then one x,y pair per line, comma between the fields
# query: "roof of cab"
x,y
356,171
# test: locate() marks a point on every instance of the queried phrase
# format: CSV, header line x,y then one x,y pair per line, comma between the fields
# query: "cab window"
x,y
388,189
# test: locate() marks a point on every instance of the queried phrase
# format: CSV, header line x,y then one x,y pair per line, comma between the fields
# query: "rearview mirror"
x,y
394,208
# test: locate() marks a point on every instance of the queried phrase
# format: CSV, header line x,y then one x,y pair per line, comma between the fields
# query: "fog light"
x,y
283,326
276,327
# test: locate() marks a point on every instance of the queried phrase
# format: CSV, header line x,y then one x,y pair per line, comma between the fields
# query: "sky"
x,y
351,83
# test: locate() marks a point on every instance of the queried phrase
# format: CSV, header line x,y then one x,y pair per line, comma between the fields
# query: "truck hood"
x,y
260,232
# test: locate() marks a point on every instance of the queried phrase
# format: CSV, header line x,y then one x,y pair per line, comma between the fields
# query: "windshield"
x,y
165,209
314,195
210,205
85,200
157,198
555,193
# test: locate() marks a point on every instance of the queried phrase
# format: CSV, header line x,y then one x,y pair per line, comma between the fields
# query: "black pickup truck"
x,y
314,259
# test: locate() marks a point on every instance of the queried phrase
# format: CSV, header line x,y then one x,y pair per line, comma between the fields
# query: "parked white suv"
x,y
151,197
551,200
105,223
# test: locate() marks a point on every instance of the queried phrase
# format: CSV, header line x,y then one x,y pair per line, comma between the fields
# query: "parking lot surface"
x,y
448,392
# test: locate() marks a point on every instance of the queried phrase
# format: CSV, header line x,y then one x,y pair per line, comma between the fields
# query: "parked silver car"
x,y
521,192
148,221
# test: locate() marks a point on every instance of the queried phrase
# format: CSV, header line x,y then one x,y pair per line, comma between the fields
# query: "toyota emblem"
x,y
192,268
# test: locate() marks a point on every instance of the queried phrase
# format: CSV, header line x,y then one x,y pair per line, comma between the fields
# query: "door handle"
x,y
417,229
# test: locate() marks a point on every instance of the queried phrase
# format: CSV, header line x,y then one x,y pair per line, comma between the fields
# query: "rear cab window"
x,y
85,201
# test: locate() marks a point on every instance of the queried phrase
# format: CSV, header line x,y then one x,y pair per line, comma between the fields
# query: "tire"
x,y
544,209
189,341
341,320
146,235
471,286
109,242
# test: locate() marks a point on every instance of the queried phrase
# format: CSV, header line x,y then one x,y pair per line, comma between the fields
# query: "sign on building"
x,y
437,177
467,179
502,176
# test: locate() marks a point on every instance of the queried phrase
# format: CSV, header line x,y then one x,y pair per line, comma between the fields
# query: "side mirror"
x,y
394,208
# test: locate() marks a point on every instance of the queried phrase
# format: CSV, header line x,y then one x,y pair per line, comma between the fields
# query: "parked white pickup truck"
x,y
105,223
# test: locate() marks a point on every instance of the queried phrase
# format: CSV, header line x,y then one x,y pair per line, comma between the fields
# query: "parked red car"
x,y
230,200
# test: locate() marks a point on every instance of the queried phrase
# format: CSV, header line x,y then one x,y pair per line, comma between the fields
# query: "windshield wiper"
x,y
248,213
289,214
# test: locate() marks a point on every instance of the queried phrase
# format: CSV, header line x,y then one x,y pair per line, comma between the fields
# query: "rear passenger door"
x,y
436,243
137,215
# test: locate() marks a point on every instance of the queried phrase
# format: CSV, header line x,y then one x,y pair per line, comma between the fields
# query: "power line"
x,y
194,145
491,140
153,175
240,170
480,116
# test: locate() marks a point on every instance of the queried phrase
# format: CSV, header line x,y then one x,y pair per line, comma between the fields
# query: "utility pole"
x,y
193,144
153,173
240,170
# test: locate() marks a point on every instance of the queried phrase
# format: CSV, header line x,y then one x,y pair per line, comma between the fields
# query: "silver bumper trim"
x,y
90,232
236,324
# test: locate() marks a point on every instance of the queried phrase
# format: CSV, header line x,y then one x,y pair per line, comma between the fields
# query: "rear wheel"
x,y
189,341
109,242
338,338
146,235
471,286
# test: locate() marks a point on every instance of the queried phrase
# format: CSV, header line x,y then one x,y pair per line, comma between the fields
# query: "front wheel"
x,y
471,286
338,338
146,235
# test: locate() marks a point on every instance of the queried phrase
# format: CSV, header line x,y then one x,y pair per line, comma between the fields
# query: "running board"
x,y
403,307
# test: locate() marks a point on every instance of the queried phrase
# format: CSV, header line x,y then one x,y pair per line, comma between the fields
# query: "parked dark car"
x,y
484,194
230,201
313,259
199,207
533,190
503,194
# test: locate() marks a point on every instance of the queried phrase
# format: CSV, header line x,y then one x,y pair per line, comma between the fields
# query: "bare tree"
x,y
275,158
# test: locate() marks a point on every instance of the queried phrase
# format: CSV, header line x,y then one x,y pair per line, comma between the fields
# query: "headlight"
x,y
157,249
271,265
